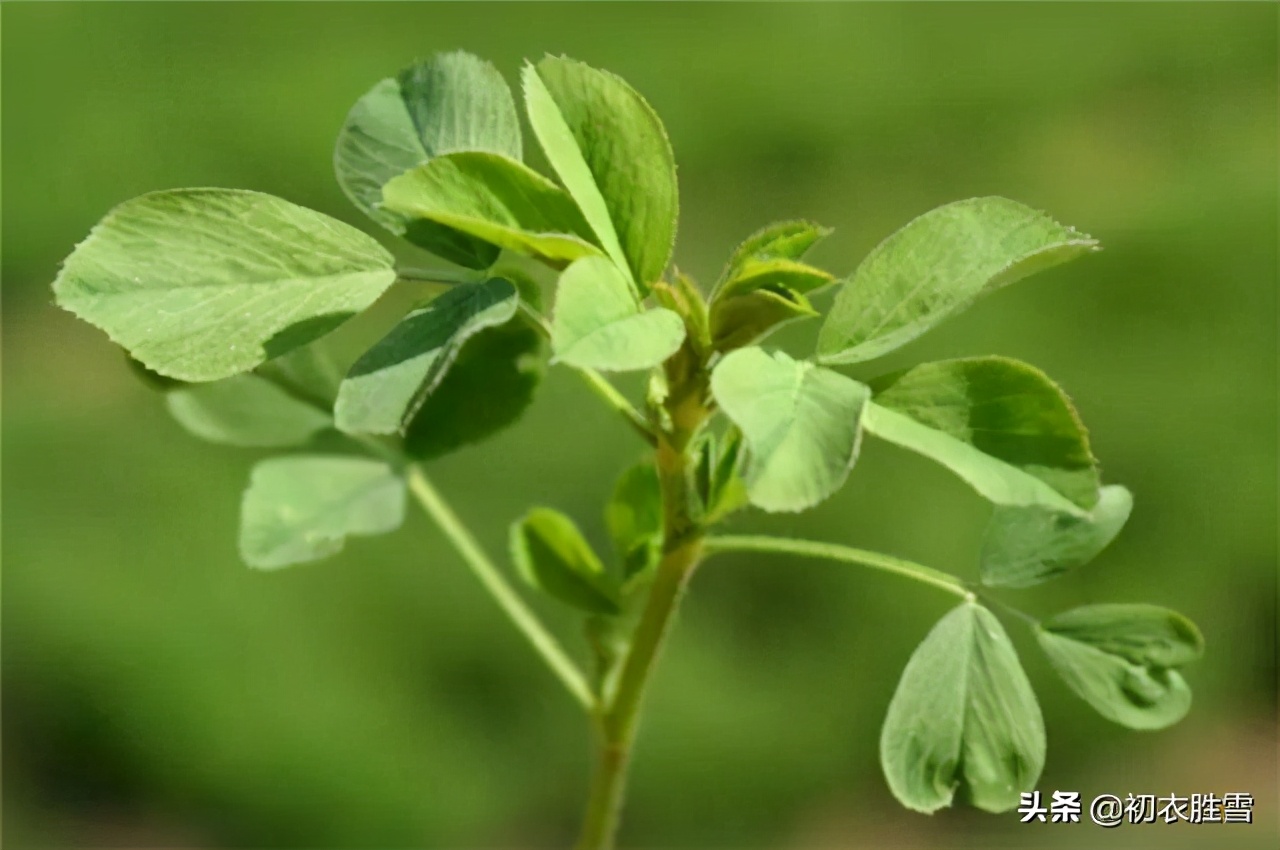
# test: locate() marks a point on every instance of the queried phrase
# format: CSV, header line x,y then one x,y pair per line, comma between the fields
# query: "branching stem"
x,y
844,554
506,597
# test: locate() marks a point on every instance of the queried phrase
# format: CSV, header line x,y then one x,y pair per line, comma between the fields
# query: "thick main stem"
x,y
682,549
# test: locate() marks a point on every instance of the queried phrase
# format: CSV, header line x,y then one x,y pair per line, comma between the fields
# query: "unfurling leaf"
x,y
936,267
202,284
495,199
451,102
764,285
302,507
963,719
1122,660
719,488
612,154
783,240
1027,544
246,410
489,386
633,516
999,424
389,383
739,321
801,424
551,554
599,324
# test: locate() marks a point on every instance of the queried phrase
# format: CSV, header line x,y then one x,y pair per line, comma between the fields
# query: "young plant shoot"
x,y
220,296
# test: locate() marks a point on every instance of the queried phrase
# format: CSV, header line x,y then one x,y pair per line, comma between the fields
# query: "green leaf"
x,y
936,267
551,554
245,410
773,273
1026,545
764,285
451,102
785,240
302,507
801,424
610,150
599,324
1121,658
739,321
390,382
308,373
202,284
495,199
963,719
633,516
999,424
488,388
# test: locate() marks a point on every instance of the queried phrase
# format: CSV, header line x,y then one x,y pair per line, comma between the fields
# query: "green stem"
x,y
445,276
510,602
618,720
845,554
599,384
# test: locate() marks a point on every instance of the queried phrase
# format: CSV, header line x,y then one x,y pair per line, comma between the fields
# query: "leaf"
x,y
245,410
599,324
1121,658
633,516
488,387
302,507
1026,545
551,554
801,424
202,284
786,240
753,274
495,199
738,322
610,150
936,267
308,372
999,424
963,719
764,285
387,385
451,102
727,491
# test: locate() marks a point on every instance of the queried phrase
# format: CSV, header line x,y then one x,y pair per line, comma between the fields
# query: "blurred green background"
x,y
158,693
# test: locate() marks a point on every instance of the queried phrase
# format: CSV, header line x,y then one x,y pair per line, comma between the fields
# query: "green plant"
x,y
219,297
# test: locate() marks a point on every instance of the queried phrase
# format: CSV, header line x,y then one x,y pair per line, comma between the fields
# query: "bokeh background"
x,y
158,693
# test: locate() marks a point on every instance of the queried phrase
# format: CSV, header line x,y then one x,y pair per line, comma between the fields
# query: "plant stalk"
x,y
512,605
618,720
845,554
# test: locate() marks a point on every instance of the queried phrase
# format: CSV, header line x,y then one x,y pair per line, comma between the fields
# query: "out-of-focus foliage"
x,y
158,693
